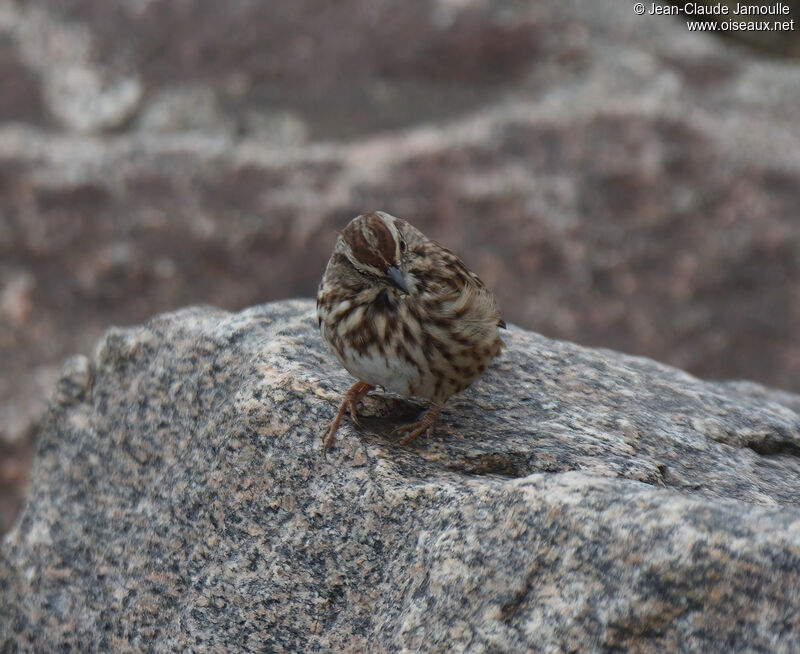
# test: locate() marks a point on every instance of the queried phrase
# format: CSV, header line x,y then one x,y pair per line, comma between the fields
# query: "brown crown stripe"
x,y
385,239
373,244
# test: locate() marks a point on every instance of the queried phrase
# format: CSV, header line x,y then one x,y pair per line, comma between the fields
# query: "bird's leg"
x,y
351,398
425,425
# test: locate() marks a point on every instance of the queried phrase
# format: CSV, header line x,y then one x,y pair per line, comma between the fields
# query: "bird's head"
x,y
375,247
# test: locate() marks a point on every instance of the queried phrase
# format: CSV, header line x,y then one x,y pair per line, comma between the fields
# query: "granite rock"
x,y
573,499
620,181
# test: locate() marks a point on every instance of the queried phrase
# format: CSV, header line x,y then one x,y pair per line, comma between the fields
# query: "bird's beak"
x,y
397,279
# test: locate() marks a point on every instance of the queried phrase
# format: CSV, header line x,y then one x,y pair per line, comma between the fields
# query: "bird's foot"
x,y
426,425
351,399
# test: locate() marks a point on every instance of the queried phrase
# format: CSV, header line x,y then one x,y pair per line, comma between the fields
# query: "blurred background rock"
x,y
616,179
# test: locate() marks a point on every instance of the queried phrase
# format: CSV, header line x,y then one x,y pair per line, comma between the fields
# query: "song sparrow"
x,y
402,312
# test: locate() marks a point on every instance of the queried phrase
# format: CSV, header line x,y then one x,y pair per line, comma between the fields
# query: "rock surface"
x,y
619,180
572,500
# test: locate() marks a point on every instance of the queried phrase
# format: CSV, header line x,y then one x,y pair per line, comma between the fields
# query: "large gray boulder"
x,y
572,500
616,178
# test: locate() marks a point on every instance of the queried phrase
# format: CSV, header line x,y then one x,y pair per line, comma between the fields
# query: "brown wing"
x,y
435,264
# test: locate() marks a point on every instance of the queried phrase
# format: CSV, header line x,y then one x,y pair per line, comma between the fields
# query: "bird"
x,y
401,312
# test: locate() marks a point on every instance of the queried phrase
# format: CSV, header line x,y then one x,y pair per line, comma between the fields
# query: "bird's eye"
x,y
402,245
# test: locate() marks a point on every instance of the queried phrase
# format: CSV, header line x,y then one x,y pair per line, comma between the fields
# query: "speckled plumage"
x,y
402,312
